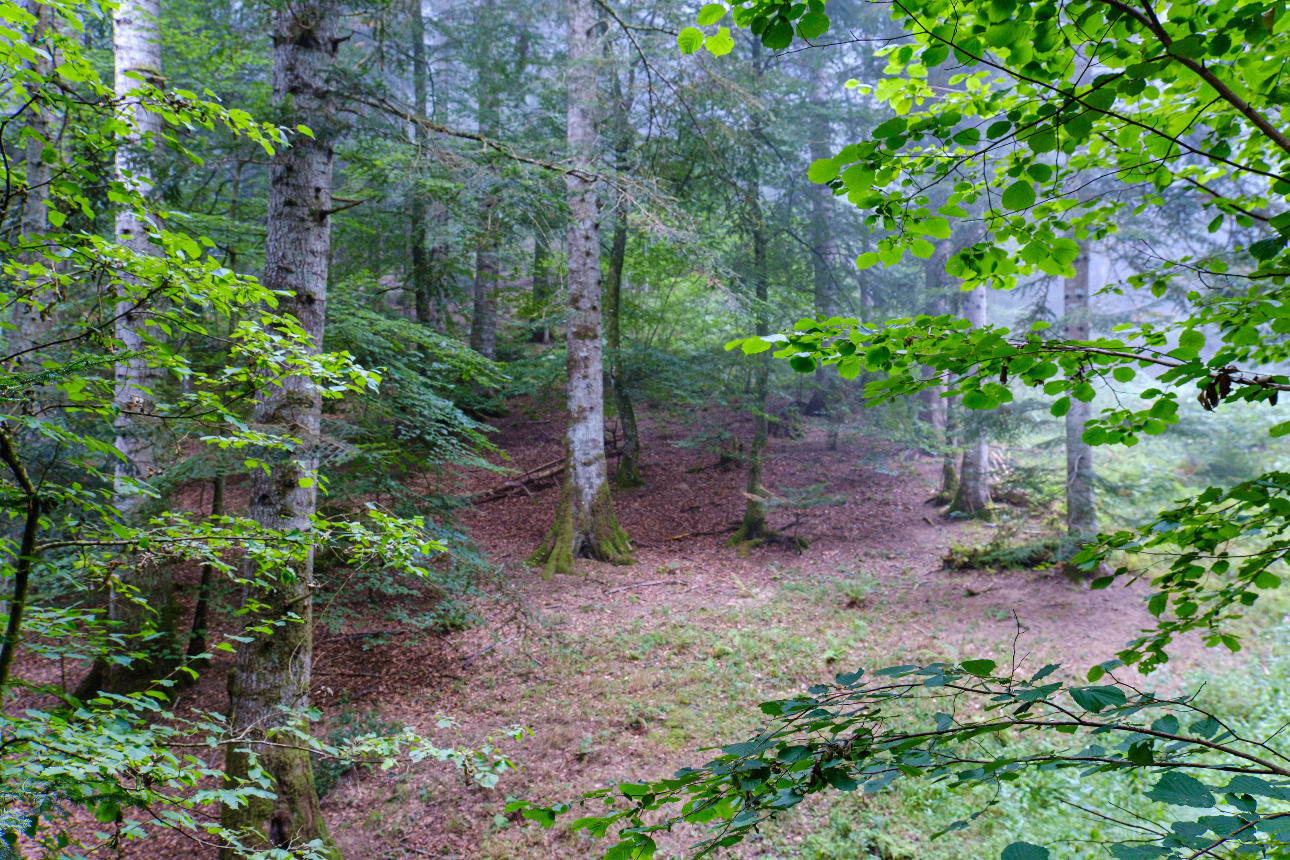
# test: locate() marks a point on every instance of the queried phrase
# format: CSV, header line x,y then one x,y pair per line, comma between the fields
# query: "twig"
x,y
492,647
646,585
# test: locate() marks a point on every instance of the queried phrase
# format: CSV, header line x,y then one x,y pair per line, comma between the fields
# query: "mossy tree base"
x,y
628,474
590,531
289,820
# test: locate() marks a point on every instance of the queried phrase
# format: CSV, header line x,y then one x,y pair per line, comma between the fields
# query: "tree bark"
x,y
1081,507
973,494
628,473
201,611
144,606
29,322
269,687
753,529
823,234
585,523
418,215
542,286
483,321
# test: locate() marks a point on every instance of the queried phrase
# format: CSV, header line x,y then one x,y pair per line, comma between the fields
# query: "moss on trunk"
x,y
582,532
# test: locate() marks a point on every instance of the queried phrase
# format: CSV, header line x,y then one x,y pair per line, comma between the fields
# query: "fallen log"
x,y
545,472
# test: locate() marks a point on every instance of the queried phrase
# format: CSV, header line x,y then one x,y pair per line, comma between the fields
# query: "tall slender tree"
x,y
1081,507
271,680
483,320
144,605
418,214
972,496
628,473
753,529
585,522
29,322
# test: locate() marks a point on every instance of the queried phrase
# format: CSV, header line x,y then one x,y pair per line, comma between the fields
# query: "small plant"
x,y
328,772
857,591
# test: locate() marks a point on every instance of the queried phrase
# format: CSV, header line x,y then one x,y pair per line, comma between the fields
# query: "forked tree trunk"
x,y
585,523
418,216
144,606
973,494
1081,507
753,529
628,473
270,686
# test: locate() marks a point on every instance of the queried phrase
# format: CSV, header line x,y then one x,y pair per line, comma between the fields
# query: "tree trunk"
x,y
973,495
542,286
269,687
197,641
823,234
753,530
585,523
628,473
483,322
1081,507
29,323
144,606
418,215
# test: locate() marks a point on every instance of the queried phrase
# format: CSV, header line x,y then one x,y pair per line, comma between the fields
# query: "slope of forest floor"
x,y
624,673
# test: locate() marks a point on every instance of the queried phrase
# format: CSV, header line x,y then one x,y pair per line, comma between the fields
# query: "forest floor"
x,y
625,673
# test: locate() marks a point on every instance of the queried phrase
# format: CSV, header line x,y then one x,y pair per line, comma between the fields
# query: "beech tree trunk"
x,y
973,494
270,686
753,529
628,473
585,523
1081,507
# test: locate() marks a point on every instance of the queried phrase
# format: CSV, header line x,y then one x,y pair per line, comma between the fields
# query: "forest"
x,y
629,429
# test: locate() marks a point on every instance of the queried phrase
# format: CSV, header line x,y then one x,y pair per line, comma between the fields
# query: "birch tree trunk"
x,y
269,687
585,523
145,605
1081,507
753,530
973,494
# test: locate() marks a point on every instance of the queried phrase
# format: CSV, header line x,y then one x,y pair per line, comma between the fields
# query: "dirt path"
x,y
621,682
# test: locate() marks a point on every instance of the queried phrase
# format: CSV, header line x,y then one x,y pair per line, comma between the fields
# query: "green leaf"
x,y
813,25
779,35
711,13
802,363
1191,341
720,43
1179,789
980,668
1024,851
1097,699
690,40
1061,407
1019,195
1124,374
822,170
977,399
